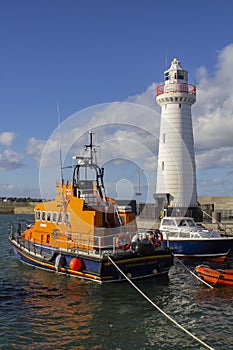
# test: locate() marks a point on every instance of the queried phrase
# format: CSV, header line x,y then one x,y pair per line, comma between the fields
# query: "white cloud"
x,y
35,149
212,119
10,160
214,181
123,131
213,112
7,138
215,158
12,190
7,188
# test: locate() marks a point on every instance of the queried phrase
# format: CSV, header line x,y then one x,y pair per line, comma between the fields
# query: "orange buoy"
x,y
76,264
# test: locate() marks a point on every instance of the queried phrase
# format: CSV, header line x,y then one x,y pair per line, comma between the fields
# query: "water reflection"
x,y
59,309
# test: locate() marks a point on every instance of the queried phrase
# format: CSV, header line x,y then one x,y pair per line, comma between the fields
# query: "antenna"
x,y
139,171
91,146
59,133
166,60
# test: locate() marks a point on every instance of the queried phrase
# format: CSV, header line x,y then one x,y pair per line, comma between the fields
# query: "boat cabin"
x,y
184,227
81,216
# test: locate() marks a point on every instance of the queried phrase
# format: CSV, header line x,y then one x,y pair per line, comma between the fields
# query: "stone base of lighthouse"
x,y
193,212
163,200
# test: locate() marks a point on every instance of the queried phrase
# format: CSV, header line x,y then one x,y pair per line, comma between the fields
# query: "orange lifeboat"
x,y
222,277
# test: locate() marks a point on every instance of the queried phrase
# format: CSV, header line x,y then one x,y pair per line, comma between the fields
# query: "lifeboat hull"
x,y
221,277
96,267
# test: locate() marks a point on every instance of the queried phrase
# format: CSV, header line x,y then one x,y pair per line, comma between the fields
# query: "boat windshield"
x,y
168,222
209,234
190,223
187,223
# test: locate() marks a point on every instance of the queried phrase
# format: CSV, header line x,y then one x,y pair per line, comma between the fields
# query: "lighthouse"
x,y
176,171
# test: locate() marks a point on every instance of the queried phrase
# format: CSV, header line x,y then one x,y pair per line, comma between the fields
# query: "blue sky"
x,y
89,53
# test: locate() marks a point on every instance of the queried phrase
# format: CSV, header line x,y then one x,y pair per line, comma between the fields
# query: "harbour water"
x,y
40,310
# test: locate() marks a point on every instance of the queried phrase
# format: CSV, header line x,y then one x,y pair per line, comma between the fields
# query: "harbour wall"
x,y
17,208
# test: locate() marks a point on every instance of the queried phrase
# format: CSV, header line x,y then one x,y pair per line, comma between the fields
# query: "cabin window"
x,y
60,218
49,215
67,218
182,223
43,218
38,215
167,222
54,217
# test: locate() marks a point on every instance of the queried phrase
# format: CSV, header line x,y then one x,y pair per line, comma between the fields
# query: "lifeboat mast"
x,y
85,162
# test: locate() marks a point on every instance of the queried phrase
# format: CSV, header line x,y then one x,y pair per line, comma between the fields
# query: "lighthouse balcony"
x,y
176,87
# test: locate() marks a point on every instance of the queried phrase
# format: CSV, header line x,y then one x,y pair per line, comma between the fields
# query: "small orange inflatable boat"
x,y
223,277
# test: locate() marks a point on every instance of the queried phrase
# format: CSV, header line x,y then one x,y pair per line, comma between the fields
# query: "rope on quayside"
x,y
192,273
158,308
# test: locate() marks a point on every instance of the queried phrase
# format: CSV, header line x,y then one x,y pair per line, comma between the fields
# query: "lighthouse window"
x,y
164,137
54,217
38,215
180,75
162,165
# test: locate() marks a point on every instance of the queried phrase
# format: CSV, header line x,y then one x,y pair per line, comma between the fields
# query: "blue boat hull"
x,y
200,248
98,268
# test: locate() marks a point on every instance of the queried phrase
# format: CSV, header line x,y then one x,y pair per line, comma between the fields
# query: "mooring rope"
x,y
158,308
192,273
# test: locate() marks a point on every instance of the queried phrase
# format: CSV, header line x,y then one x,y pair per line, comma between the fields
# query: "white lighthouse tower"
x,y
176,174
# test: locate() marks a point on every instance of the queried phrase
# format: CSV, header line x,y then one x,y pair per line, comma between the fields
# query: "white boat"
x,y
188,240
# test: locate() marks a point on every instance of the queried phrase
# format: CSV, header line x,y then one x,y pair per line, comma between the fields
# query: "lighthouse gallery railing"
x,y
176,87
